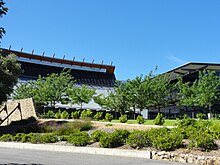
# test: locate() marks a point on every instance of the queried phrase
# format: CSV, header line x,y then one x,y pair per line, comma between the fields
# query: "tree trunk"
x,y
158,109
134,112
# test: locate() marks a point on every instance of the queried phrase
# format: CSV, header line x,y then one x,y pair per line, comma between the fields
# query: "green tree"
x,y
118,100
208,89
3,11
80,95
46,90
9,68
24,90
203,92
134,93
9,73
161,91
101,100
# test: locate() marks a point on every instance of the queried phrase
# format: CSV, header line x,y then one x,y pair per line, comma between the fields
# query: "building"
x,y
97,76
189,73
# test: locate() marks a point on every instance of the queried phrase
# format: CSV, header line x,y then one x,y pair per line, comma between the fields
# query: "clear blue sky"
x,y
136,35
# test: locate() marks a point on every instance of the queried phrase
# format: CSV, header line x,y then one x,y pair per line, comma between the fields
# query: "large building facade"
x,y
97,76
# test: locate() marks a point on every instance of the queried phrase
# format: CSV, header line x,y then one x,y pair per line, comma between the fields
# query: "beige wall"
x,y
27,110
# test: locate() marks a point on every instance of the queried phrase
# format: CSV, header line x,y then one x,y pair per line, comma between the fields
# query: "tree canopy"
x,y
46,90
203,92
3,11
80,95
9,68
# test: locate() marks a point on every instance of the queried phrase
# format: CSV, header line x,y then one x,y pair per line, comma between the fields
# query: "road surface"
x,y
37,157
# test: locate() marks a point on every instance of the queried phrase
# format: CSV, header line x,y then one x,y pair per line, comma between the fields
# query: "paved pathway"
x,y
37,157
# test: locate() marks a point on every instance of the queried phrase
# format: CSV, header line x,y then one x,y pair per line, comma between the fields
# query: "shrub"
x,y
49,138
108,117
98,116
140,119
165,139
96,135
18,137
79,139
86,114
217,116
123,119
122,134
50,114
159,120
63,138
186,121
202,140
186,126
64,115
215,131
201,116
75,115
58,115
115,139
110,140
138,139
31,137
6,138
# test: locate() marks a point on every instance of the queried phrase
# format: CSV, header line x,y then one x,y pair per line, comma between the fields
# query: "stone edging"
x,y
185,158
162,155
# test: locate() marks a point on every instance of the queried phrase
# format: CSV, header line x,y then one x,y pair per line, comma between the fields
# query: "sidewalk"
x,y
88,150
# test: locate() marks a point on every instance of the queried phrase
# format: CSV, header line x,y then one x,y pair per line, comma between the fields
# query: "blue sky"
x,y
137,35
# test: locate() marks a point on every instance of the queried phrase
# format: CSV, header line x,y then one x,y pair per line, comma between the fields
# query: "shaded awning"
x,y
192,67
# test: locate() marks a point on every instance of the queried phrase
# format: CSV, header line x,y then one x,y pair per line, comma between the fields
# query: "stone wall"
x,y
27,110
185,158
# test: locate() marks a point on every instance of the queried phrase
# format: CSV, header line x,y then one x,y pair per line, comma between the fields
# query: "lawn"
x,y
168,122
148,122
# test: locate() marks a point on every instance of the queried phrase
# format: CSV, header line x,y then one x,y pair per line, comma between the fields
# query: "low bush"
x,y
123,119
64,115
31,137
122,134
159,120
58,115
75,115
202,140
108,117
186,126
215,131
98,116
50,114
48,138
110,140
63,138
115,139
18,137
138,139
165,139
6,138
140,119
201,116
79,139
96,135
86,114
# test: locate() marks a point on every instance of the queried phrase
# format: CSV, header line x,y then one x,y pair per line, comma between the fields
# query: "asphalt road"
x,y
38,157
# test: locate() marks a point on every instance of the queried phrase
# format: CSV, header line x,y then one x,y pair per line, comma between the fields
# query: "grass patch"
x,y
148,122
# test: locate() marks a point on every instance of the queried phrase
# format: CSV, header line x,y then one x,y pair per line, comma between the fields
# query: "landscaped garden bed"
x,y
189,137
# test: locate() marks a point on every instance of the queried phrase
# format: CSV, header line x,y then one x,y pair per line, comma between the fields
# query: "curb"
x,y
88,150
